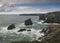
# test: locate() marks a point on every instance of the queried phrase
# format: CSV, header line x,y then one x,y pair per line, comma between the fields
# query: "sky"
x,y
28,6
29,1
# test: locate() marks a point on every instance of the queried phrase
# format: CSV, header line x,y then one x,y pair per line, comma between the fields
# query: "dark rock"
x,y
28,30
10,27
39,38
28,22
21,30
43,30
42,17
46,31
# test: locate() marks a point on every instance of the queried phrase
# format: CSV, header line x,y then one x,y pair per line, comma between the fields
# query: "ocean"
x,y
8,36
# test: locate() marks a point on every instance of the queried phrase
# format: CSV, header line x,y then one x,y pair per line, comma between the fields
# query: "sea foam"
x,y
34,34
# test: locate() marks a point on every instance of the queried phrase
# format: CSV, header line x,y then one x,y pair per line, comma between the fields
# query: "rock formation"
x,y
28,22
10,27
28,30
42,17
53,17
21,30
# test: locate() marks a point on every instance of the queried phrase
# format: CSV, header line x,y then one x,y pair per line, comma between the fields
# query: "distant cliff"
x,y
38,14
51,37
53,17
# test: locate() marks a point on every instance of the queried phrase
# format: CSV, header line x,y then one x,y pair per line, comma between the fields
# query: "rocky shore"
x,y
50,17
52,35
52,32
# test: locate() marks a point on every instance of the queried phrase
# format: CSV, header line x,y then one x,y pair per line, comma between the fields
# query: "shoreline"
x,y
51,37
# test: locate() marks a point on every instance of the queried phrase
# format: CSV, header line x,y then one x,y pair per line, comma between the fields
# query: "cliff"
x,y
53,17
52,32
53,36
50,17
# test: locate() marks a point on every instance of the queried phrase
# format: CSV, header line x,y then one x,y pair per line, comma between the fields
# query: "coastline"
x,y
49,38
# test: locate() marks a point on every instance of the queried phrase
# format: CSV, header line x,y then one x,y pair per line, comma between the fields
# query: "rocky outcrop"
x,y
28,22
51,32
46,32
51,37
53,17
21,30
10,27
28,30
42,17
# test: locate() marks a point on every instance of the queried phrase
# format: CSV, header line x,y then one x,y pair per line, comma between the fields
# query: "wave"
x,y
41,22
33,34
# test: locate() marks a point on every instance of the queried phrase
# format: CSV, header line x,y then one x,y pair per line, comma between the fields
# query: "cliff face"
x,y
53,17
54,29
53,36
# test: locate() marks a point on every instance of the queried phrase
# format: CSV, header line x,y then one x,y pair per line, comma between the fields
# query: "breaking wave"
x,y
14,35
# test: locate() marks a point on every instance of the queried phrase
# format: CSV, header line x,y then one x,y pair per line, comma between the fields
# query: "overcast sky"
x,y
29,1
29,6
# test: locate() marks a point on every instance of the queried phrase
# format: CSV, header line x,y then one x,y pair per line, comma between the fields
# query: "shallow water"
x,y
7,36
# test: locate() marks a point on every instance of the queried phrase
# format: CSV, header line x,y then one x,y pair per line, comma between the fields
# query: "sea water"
x,y
7,36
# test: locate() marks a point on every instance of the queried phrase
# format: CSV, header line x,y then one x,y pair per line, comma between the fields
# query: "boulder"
x,y
21,30
10,27
28,22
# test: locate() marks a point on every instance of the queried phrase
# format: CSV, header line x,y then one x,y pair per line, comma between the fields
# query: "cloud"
x,y
29,1
21,9
11,9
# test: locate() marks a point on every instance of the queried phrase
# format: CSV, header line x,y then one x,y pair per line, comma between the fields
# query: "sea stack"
x,y
42,17
10,27
28,22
